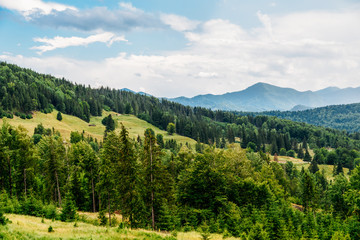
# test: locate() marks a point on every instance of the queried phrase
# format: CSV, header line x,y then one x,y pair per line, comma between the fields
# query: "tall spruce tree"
x,y
53,154
128,176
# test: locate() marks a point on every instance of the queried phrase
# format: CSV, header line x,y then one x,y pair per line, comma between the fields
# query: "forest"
x,y
228,183
343,117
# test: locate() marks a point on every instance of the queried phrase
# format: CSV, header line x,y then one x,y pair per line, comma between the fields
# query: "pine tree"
x,y
307,157
128,172
59,116
300,153
108,175
53,153
313,168
157,180
151,154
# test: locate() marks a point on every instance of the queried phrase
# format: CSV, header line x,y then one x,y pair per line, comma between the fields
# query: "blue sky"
x,y
174,48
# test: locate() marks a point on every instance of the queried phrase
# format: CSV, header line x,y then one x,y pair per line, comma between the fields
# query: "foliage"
x,y
68,212
170,128
59,116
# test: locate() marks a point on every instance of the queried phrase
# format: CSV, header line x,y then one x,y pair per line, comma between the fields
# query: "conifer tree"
x,y
128,172
108,175
53,154
59,116
307,157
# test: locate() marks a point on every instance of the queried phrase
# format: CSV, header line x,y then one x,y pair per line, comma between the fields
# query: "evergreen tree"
x,y
107,185
300,153
313,168
59,116
307,157
109,123
128,171
53,154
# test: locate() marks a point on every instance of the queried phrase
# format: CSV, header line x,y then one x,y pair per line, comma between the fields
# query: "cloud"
x,y
64,42
129,6
309,50
98,18
266,21
179,23
50,14
29,7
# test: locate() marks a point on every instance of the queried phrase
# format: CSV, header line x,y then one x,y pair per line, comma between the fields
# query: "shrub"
x,y
102,218
3,219
59,116
32,207
68,213
50,211
50,229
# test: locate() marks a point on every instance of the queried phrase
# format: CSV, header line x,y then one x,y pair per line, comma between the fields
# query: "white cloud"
x,y
207,74
179,23
266,21
128,6
312,50
64,42
27,7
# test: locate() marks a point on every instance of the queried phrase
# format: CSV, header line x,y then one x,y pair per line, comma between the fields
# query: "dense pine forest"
x,y
228,183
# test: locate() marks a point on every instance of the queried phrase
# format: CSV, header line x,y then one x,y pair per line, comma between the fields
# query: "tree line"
x,y
232,191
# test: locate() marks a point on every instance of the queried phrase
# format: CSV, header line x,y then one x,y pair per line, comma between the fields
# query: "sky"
x,y
171,48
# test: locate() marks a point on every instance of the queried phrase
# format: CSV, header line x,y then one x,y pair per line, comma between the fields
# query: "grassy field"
x,y
27,227
94,128
328,169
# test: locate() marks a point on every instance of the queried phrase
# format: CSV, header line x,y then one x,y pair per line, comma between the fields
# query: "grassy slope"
x,y
328,169
70,123
27,227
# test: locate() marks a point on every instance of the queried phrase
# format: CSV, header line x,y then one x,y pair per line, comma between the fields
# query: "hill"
x,y
94,127
343,117
265,97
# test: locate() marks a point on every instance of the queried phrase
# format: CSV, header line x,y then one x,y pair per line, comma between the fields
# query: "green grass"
x,y
134,125
28,227
327,169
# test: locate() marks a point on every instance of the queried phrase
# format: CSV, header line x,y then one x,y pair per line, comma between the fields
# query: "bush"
x,y
22,116
50,211
3,219
68,213
102,218
59,116
290,153
282,152
50,229
29,116
32,207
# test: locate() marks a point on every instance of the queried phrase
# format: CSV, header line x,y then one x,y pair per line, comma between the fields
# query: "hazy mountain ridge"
x,y
266,97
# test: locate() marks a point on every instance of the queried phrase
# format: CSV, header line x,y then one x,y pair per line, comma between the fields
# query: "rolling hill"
x,y
343,117
265,97
94,128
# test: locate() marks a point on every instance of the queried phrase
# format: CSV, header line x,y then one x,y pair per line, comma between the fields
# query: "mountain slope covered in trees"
x,y
342,117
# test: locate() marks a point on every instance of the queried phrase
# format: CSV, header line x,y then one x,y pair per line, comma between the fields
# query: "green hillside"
x,y
93,128
342,117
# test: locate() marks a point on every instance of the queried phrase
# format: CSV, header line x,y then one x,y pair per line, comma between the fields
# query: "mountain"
x,y
300,108
267,97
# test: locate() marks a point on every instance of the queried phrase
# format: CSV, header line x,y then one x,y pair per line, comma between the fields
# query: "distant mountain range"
x,y
266,97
